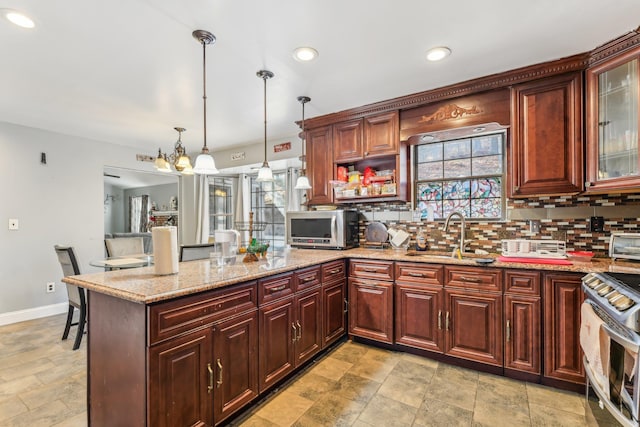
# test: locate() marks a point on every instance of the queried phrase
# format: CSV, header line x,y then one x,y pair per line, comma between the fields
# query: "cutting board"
x,y
535,260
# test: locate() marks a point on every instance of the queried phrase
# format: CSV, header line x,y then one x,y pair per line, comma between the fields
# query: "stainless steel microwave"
x,y
331,229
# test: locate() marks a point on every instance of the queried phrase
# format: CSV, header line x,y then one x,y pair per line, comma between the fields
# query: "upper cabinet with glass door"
x,y
612,124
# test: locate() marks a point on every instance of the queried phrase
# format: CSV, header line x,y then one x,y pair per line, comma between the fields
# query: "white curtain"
x,y
243,203
138,213
295,198
202,209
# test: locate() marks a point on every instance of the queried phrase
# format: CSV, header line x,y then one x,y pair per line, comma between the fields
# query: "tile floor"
x,y
43,383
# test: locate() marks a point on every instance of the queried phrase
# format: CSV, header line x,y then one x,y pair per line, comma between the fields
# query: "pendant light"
x,y
205,165
265,173
302,183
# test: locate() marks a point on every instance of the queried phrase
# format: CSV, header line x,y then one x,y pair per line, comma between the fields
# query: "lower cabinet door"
x,y
522,333
419,317
473,326
308,322
371,309
235,354
277,332
180,392
563,298
334,306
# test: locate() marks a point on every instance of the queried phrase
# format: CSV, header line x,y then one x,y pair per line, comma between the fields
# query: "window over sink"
x,y
464,175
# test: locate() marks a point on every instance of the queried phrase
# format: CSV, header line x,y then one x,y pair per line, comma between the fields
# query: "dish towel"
x,y
165,250
595,343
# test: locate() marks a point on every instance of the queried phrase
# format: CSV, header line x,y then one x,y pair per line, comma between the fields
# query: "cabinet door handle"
x,y
439,319
508,330
295,332
219,382
277,288
446,322
516,188
346,306
299,329
415,274
210,386
471,279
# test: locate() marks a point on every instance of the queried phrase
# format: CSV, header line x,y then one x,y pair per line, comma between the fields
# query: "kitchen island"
x,y
184,349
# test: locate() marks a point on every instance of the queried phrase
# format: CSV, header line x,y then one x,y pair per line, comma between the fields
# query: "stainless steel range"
x,y
610,339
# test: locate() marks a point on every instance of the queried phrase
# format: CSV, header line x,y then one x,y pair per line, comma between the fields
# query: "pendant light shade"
x,y
205,165
265,173
302,183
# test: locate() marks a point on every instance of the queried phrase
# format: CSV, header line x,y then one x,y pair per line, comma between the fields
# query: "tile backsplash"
x,y
565,218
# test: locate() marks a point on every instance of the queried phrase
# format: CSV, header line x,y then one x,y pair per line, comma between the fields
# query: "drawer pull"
x,y
446,322
415,274
210,386
219,382
440,319
471,279
336,271
508,330
299,330
277,288
308,279
370,270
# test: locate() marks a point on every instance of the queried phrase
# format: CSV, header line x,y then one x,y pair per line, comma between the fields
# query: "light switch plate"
x,y
13,224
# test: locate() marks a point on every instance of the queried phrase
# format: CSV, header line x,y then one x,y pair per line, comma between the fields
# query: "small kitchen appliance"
x,y
326,229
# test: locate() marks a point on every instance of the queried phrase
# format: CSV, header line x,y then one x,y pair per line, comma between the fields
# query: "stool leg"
x,y
80,332
65,334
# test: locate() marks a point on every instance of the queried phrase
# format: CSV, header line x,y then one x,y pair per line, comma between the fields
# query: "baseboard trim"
x,y
33,313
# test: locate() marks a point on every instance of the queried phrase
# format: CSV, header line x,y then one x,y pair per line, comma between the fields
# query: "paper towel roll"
x,y
165,250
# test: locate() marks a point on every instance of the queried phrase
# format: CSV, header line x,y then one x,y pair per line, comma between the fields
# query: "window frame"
x,y
259,235
230,183
502,176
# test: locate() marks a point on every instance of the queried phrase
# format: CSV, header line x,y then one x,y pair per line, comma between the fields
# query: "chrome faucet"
x,y
462,228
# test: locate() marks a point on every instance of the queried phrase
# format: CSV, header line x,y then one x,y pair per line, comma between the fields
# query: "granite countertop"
x,y
142,286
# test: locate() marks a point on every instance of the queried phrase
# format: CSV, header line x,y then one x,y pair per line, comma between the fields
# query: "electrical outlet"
x,y
534,226
51,287
597,223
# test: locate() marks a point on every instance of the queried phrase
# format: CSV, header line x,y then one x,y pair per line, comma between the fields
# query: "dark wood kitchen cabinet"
x,y
180,388
320,165
473,314
545,156
371,299
334,302
563,298
613,163
419,298
372,136
235,368
522,322
291,325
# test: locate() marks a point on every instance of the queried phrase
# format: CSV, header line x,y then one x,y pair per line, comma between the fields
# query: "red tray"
x,y
535,260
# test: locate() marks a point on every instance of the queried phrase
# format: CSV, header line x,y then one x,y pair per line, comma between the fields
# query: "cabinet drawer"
x,y
307,278
423,274
275,287
522,282
382,270
473,278
175,317
332,271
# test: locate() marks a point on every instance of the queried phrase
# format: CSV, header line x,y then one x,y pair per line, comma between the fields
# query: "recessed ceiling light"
x,y
479,129
18,18
305,54
427,138
438,53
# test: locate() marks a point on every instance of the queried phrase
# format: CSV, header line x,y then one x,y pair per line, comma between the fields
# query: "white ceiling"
x,y
128,71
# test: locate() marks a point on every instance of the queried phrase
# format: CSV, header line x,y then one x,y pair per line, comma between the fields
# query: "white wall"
x,y
61,202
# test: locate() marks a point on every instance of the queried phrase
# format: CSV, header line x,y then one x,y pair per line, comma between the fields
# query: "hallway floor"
x,y
43,383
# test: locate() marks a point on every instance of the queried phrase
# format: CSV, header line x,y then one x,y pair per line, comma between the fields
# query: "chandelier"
x,y
179,159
